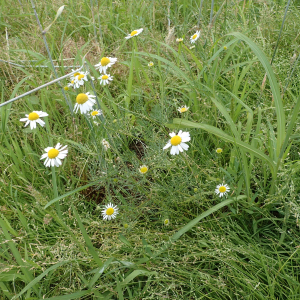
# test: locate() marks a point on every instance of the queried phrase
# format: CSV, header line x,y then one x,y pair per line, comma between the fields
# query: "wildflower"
x,y
179,40
78,79
126,225
219,150
96,113
105,79
33,118
109,212
225,48
195,190
66,88
195,37
105,144
166,222
178,142
134,33
183,109
54,155
143,169
222,190
84,102
151,64
105,62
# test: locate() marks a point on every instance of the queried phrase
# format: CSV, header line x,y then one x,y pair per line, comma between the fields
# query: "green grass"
x,y
54,243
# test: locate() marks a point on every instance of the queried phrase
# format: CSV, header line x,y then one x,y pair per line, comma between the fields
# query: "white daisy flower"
x,y
78,79
178,142
143,169
222,190
110,212
166,222
183,109
151,64
105,79
134,33
84,102
33,118
71,84
95,113
54,155
195,37
179,40
219,150
105,62
105,144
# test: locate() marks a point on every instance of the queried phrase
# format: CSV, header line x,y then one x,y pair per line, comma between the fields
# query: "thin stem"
x,y
211,13
200,10
100,31
49,55
286,10
55,192
40,87
288,81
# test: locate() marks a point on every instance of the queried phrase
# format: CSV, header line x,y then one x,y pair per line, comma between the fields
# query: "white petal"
x,y
184,146
174,150
167,146
44,155
41,122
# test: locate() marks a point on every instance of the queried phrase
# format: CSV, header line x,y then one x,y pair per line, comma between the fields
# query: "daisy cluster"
x,y
84,103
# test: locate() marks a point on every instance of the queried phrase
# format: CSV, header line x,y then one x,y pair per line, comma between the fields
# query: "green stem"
x,y
55,192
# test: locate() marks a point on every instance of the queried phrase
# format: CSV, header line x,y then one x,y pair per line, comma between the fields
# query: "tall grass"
x,y
54,243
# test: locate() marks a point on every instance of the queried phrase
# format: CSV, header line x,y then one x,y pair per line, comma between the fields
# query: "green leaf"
x,y
88,242
218,132
274,87
136,273
37,279
71,193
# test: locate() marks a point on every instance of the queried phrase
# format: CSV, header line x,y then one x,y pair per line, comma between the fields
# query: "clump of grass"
x,y
241,245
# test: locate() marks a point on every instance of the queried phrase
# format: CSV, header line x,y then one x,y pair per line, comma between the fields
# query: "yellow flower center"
x,y
183,109
94,113
194,36
133,32
219,150
81,98
166,221
66,88
222,189
76,74
110,211
104,61
143,170
52,153
176,140
104,77
80,76
33,116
